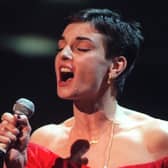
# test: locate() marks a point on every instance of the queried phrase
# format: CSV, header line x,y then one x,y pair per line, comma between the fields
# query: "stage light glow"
x,y
31,46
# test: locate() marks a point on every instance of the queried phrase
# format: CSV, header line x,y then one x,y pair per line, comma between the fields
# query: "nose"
x,y
66,53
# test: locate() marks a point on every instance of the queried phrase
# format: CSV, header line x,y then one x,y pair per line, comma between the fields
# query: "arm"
x,y
14,137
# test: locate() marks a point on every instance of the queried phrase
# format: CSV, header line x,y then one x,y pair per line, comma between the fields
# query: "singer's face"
x,y
80,63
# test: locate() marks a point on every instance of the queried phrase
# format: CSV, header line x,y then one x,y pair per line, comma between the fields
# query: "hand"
x,y
14,137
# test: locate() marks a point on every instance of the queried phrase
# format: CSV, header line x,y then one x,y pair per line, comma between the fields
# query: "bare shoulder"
x,y
156,136
47,131
154,131
142,119
51,133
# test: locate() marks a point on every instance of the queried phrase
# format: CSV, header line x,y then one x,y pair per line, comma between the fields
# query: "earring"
x,y
109,79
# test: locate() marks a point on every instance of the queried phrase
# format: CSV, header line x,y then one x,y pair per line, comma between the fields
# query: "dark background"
x,y
28,34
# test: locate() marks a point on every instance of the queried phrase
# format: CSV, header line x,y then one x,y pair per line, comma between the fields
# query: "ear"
x,y
117,66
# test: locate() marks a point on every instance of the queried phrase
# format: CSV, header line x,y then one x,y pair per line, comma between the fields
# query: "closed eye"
x,y
83,49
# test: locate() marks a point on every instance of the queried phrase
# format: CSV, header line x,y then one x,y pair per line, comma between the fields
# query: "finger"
x,y
11,136
9,118
8,135
6,126
5,142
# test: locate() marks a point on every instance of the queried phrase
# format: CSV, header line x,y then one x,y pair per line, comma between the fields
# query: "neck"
x,y
94,116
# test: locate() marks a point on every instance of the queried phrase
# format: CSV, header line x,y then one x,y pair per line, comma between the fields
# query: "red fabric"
x,y
40,157
161,163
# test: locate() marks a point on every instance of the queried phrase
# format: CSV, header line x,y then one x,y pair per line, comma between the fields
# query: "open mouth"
x,y
66,74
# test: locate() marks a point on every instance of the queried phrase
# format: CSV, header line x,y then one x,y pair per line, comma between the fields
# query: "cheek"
x,y
87,70
92,73
56,60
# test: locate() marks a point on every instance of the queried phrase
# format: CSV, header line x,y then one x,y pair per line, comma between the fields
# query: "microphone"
x,y
22,106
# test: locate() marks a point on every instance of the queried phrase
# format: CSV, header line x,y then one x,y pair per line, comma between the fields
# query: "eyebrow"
x,y
83,38
80,38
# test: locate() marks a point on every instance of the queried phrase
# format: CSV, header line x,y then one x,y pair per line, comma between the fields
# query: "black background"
x,y
34,77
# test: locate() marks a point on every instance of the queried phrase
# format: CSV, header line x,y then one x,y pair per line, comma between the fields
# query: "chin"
x,y
67,93
66,96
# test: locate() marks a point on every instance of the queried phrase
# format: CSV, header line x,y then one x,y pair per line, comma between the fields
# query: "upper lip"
x,y
66,66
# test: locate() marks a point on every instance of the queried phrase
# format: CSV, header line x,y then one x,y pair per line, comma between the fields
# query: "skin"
x,y
14,140
86,52
95,108
125,137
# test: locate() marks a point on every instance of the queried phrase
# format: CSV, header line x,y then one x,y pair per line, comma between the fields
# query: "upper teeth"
x,y
63,69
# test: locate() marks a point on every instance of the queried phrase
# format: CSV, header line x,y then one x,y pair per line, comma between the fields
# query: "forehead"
x,y
75,30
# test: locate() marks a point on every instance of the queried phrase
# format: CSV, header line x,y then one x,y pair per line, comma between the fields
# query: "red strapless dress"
x,y
161,163
40,157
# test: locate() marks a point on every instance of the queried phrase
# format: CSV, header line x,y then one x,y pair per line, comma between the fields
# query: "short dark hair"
x,y
121,37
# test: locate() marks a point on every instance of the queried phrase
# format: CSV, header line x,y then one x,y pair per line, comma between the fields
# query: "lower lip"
x,y
64,83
